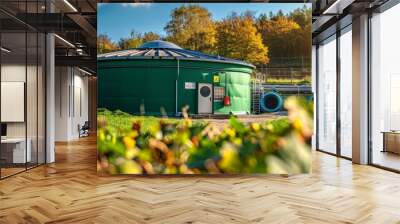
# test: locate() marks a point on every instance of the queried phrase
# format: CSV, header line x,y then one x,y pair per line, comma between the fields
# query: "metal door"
x,y
204,99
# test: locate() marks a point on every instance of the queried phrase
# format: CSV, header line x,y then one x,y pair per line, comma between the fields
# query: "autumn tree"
x,y
192,27
303,17
279,33
150,36
104,44
238,38
245,37
134,41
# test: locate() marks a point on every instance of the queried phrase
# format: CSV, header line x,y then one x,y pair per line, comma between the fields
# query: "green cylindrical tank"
x,y
160,76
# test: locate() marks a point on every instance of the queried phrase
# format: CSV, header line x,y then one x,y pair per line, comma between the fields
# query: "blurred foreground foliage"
x,y
148,145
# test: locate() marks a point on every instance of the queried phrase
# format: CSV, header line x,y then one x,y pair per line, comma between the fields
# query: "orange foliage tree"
x,y
192,27
279,34
238,38
104,44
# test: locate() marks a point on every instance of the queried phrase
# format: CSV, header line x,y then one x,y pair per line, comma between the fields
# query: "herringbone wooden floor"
x,y
70,191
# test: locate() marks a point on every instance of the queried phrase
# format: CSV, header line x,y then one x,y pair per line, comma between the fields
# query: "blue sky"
x,y
118,19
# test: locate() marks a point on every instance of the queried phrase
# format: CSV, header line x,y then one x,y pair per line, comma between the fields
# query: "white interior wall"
x,y
33,126
12,73
62,80
80,110
71,94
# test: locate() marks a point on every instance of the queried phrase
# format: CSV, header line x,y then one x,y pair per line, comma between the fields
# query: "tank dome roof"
x,y
159,44
159,49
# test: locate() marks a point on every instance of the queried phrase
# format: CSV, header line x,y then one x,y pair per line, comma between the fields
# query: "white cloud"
x,y
134,5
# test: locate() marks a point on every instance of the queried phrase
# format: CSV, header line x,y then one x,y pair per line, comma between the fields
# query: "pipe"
x,y
176,87
271,102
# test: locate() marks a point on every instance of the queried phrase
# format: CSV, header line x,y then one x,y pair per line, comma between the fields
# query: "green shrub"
x,y
149,145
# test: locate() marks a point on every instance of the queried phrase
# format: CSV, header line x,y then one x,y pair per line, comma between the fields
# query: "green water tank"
x,y
160,77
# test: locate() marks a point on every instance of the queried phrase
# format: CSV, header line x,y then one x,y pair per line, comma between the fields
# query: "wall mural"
x,y
204,88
